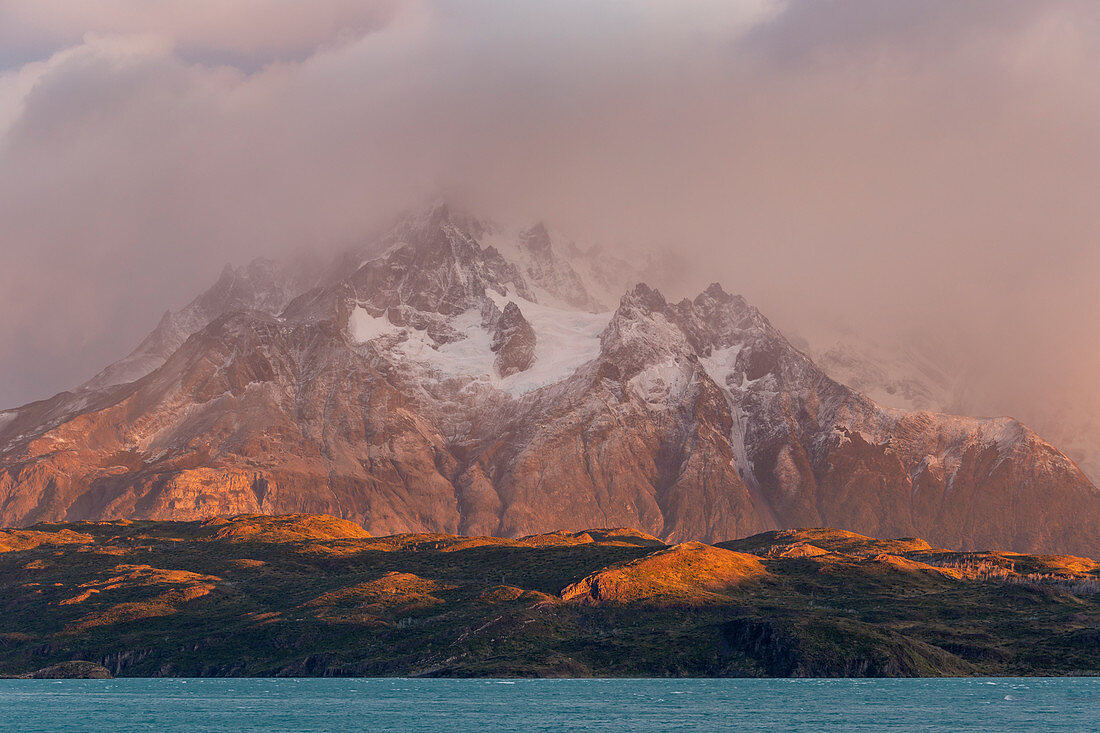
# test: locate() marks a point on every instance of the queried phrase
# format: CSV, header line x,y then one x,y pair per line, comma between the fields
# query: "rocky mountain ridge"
x,y
454,377
920,374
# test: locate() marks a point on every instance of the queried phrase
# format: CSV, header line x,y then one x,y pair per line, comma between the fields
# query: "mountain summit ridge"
x,y
455,377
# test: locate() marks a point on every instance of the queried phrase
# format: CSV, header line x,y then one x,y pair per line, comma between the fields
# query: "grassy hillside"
x,y
306,596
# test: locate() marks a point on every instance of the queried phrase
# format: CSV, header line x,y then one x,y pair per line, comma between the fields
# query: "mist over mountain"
x,y
901,195
921,373
456,375
926,167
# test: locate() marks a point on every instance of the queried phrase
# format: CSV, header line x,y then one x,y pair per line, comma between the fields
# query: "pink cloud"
x,y
929,165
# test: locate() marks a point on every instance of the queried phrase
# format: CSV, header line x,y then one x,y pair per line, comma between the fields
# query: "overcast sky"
x,y
928,166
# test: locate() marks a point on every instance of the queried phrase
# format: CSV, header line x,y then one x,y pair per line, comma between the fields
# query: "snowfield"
x,y
565,341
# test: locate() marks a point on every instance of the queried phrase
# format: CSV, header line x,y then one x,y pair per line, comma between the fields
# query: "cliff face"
x,y
463,382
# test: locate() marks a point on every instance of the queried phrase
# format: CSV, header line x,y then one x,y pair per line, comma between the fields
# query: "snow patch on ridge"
x,y
364,327
720,364
662,385
564,341
468,356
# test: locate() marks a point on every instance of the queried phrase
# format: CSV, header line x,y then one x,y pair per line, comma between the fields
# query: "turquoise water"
x,y
237,705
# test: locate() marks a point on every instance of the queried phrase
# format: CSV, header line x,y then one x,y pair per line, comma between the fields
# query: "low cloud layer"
x,y
926,167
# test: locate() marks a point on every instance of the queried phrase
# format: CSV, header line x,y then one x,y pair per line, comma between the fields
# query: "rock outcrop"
x,y
513,342
689,573
75,670
282,528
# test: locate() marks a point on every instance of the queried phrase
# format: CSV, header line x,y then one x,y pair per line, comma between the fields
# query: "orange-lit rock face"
x,y
688,573
393,593
161,593
820,541
449,386
25,539
802,549
287,528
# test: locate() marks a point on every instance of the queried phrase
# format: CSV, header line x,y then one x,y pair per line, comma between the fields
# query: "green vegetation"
x,y
309,596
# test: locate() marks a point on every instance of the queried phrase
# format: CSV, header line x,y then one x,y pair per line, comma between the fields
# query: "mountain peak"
x,y
716,291
645,297
442,214
536,239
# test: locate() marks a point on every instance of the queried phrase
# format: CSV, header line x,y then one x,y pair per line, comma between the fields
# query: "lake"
x,y
242,705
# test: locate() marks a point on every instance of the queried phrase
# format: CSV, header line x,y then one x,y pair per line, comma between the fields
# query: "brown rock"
x,y
513,342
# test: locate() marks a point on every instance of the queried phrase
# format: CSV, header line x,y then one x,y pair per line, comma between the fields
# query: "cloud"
x,y
913,166
249,31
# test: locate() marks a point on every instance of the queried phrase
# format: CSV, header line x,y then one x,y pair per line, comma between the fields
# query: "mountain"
x,y
263,285
909,375
453,376
317,596
921,374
